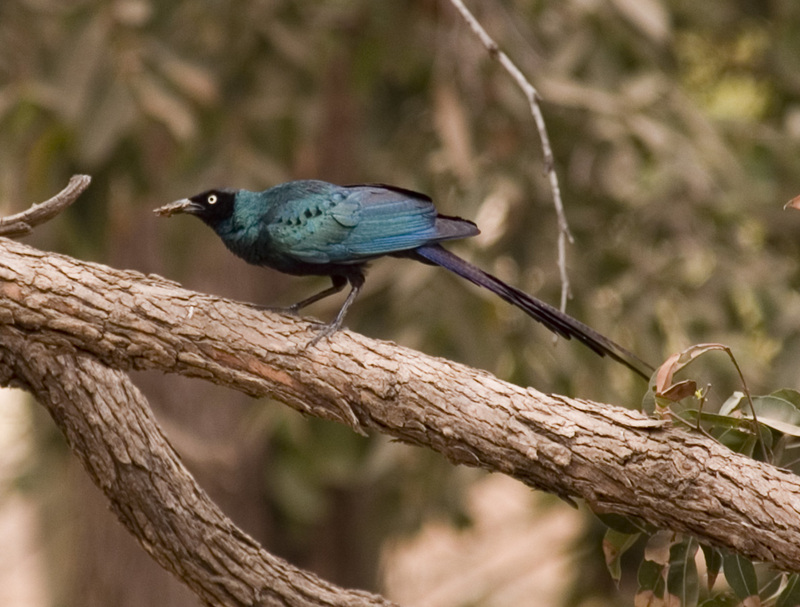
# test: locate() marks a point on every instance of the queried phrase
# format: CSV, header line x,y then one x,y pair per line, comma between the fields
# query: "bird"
x,y
312,227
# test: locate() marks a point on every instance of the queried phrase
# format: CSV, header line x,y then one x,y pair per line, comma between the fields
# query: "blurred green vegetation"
x,y
676,132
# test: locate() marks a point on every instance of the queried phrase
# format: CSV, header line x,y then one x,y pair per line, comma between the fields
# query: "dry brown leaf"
x,y
794,203
678,361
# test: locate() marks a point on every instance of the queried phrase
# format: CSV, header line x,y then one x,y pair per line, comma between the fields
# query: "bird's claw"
x,y
326,331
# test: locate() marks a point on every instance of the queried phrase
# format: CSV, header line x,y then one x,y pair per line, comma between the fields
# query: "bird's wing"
x,y
355,223
308,219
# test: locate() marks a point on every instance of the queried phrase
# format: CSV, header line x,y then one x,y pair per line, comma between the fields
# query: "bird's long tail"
x,y
550,317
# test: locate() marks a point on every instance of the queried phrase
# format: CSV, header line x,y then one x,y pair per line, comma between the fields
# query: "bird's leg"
x,y
339,283
356,281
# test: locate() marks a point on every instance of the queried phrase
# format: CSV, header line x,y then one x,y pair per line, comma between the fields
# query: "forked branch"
x,y
69,330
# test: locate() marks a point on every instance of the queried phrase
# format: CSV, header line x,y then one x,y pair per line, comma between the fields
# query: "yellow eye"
x,y
212,199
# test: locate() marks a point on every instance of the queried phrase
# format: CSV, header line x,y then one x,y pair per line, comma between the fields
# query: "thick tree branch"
x,y
111,429
615,459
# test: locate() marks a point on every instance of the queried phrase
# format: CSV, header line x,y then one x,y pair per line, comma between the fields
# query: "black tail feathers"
x,y
550,317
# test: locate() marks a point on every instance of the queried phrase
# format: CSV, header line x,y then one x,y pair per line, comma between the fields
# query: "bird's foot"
x,y
326,331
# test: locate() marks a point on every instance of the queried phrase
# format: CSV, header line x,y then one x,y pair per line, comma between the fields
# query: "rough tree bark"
x,y
69,330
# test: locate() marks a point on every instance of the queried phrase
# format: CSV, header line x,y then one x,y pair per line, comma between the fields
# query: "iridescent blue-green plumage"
x,y
315,227
297,227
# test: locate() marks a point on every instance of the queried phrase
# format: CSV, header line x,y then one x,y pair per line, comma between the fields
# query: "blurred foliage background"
x,y
676,132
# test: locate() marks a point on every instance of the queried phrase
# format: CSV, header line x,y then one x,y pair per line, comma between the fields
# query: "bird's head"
x,y
212,206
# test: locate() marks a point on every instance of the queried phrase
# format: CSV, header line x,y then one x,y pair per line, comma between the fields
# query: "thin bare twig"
x,y
533,99
23,223
756,424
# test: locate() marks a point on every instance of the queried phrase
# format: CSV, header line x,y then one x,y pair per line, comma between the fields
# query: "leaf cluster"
x,y
760,426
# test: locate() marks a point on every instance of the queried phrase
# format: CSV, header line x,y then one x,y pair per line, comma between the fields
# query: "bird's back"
x,y
297,225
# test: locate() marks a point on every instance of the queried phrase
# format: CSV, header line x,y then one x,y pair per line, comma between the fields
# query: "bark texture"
x,y
110,427
617,460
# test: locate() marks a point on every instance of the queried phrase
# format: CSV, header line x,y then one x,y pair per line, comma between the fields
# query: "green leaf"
x,y
713,559
741,576
769,588
790,595
777,413
650,578
624,524
738,441
732,403
682,578
793,396
786,457
718,419
615,544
